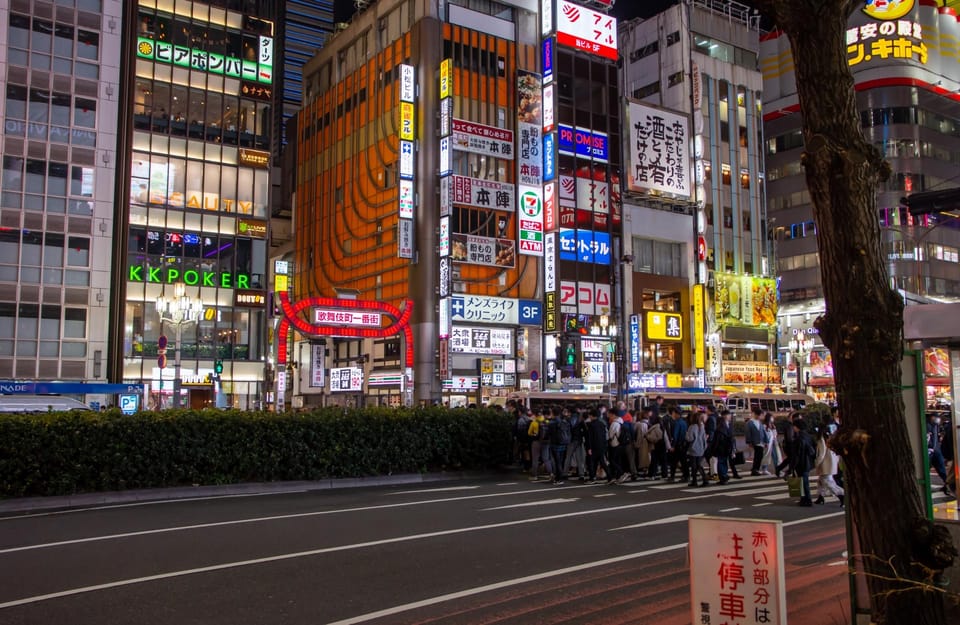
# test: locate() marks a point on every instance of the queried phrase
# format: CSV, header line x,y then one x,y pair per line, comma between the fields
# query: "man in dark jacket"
x,y
722,445
596,445
805,456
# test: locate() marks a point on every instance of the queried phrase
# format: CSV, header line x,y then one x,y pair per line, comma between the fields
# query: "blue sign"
x,y
129,404
9,387
585,246
634,342
549,157
531,312
547,60
583,143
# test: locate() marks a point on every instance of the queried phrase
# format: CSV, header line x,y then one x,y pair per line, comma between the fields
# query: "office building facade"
x,y
62,88
910,110
698,244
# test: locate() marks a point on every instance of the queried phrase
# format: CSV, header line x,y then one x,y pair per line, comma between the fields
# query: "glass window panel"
x,y
53,254
8,273
12,173
40,61
42,35
60,109
74,350
26,348
87,70
39,105
56,204
88,45
57,180
18,57
62,66
49,349
16,101
75,277
85,113
19,34
63,40
78,252
75,323
36,176
81,181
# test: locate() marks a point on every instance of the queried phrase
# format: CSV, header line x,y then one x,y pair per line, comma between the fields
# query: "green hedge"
x,y
67,453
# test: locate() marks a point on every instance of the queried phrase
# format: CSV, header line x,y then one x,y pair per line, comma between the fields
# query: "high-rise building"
x,y
694,215
906,72
197,124
62,83
434,141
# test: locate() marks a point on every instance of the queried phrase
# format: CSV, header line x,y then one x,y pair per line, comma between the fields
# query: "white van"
x,y
685,401
777,404
39,403
539,400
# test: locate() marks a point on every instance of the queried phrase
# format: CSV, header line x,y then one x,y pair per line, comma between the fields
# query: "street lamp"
x,y
178,310
801,345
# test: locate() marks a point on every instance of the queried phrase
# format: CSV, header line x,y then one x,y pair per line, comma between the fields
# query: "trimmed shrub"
x,y
68,453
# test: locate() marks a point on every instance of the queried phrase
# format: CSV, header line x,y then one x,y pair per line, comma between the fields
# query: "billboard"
x,y
586,30
745,300
658,151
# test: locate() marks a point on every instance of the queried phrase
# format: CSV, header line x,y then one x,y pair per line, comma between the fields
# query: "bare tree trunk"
x,y
903,552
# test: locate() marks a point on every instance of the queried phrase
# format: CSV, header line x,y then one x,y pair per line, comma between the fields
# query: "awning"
x,y
820,382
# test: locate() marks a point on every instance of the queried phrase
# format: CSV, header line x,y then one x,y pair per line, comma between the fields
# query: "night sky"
x,y
623,9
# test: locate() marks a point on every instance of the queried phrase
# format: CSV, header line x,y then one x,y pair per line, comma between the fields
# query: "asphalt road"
x,y
469,551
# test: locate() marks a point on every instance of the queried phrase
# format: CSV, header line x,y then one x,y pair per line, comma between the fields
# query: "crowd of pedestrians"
x,y
604,444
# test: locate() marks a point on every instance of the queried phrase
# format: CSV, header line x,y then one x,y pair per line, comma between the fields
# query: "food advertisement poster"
x,y
821,364
936,362
473,250
529,128
746,300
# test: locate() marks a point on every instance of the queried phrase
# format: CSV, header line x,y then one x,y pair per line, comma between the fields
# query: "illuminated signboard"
x,y
406,121
482,139
406,199
530,218
584,143
890,39
191,277
484,193
327,316
252,228
201,60
346,379
586,30
446,78
663,326
255,158
659,151
249,299
585,246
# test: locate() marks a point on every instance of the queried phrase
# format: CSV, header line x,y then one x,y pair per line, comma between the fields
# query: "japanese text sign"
x,y
663,326
474,250
529,128
484,193
583,143
481,139
346,379
585,246
530,216
736,571
587,30
658,149
326,316
493,341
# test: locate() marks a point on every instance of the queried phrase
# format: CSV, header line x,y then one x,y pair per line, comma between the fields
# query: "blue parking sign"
x,y
129,404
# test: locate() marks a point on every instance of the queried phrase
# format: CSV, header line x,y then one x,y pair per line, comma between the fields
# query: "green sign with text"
x,y
191,277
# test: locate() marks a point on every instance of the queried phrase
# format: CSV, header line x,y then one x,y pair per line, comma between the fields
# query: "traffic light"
x,y
218,367
569,354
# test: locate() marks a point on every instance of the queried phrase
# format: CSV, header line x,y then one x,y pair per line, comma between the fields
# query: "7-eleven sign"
x,y
530,217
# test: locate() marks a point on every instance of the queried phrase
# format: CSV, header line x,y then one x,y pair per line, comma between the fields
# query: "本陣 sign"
x,y
481,139
736,571
529,128
484,193
659,151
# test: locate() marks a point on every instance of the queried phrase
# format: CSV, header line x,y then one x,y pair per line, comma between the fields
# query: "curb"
x,y
64,502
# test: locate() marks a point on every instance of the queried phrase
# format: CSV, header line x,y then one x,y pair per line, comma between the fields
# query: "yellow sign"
x,y
486,365
888,9
674,380
280,283
406,121
699,357
446,78
663,326
252,228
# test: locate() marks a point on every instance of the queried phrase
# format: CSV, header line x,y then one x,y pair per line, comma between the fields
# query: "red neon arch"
x,y
291,316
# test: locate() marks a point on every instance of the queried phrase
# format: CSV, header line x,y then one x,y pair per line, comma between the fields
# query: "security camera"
x,y
627,258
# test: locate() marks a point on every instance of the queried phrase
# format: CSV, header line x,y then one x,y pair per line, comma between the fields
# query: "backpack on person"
x,y
561,433
626,434
655,434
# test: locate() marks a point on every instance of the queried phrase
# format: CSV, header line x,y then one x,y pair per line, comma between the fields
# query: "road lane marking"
x,y
278,517
146,503
372,543
758,505
432,490
507,484
730,510
604,495
372,616
545,502
666,521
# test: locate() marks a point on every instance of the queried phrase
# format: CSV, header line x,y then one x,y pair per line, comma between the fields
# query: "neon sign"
x,y
201,60
190,277
888,38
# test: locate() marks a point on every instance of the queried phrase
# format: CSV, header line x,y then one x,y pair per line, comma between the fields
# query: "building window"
x,y
662,258
673,38
675,79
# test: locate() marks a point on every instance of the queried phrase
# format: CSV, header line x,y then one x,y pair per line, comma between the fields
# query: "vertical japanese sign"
x,y
317,369
736,571
445,277
529,128
696,332
406,187
530,216
658,151
634,342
